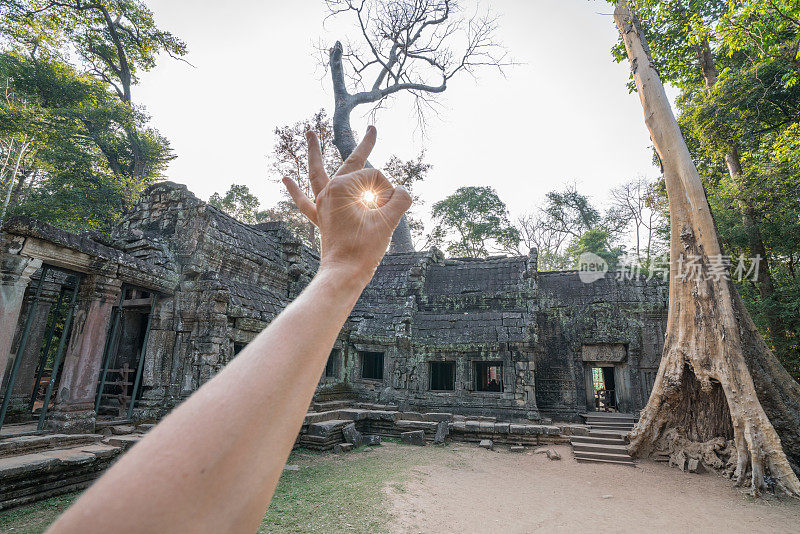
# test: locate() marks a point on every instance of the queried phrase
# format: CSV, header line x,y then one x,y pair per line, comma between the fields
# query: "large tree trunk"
x,y
719,389
345,141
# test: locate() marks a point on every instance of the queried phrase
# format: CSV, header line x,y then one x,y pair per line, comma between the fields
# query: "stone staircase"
x,y
36,467
606,441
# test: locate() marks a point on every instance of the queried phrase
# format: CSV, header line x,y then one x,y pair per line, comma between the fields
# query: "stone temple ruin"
x,y
103,332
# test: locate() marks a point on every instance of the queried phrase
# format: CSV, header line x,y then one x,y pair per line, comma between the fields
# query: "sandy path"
x,y
476,490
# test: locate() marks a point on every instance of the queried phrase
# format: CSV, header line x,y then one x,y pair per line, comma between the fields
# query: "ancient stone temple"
x,y
126,326
102,335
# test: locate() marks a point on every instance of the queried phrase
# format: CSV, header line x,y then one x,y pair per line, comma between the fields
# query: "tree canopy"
x,y
85,149
478,221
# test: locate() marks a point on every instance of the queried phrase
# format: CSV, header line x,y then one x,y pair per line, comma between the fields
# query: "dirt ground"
x,y
503,492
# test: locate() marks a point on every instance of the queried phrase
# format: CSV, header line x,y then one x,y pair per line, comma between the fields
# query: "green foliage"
x,y
77,135
238,202
408,173
113,40
570,212
596,241
476,221
67,70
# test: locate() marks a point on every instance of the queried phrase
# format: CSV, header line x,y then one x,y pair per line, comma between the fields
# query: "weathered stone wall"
x,y
419,308
234,279
218,282
609,312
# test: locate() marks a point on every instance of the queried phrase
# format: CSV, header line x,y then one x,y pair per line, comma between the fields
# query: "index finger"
x,y
316,169
357,160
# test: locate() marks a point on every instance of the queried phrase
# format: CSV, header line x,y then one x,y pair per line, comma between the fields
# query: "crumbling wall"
x,y
610,311
234,279
419,308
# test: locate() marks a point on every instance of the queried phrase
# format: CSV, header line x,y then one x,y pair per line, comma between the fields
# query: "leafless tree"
x,y
535,232
405,46
636,205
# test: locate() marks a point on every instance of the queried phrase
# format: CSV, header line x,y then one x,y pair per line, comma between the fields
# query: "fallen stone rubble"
x,y
322,431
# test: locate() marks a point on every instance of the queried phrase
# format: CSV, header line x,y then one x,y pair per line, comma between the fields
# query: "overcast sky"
x,y
564,114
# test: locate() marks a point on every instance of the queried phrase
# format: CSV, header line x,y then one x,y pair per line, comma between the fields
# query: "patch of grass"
x,y
338,493
35,518
330,492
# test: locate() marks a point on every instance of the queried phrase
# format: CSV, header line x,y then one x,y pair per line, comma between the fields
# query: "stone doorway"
x,y
123,360
42,335
604,391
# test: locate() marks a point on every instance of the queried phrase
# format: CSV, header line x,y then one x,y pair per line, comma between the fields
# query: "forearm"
x,y
214,462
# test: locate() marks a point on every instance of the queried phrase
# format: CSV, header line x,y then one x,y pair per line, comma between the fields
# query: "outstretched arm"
x,y
212,464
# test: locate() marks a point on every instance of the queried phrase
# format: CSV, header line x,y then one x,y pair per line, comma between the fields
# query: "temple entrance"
x,y
605,399
120,377
51,351
602,391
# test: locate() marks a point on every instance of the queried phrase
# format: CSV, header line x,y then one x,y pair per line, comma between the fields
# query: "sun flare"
x,y
369,198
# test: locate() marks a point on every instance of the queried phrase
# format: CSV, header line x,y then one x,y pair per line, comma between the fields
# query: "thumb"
x,y
396,206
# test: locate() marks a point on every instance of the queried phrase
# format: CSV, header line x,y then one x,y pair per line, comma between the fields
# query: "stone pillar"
x,y
73,412
18,410
15,275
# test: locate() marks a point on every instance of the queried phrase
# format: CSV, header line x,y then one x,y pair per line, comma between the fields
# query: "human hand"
x,y
356,210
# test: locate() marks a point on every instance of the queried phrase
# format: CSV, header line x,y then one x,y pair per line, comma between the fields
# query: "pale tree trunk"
x,y
345,141
719,389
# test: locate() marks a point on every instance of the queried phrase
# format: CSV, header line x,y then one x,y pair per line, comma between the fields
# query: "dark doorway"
x,y
126,344
332,368
372,365
603,382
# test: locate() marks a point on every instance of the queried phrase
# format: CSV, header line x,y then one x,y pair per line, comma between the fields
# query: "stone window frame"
x,y
361,354
474,370
454,369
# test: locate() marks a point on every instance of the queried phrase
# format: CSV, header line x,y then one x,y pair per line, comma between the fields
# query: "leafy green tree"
x,y
408,173
74,130
569,212
475,221
597,241
238,202
71,66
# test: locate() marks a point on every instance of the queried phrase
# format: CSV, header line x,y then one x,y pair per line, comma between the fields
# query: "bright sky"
x,y
563,115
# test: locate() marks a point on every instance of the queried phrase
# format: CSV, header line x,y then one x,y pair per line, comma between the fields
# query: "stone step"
x,y
603,456
28,444
610,416
598,441
34,476
611,426
598,433
595,460
603,421
123,442
599,447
